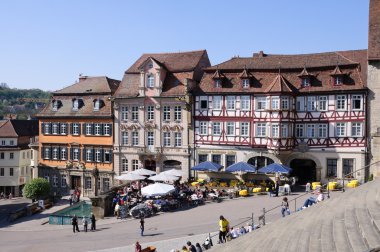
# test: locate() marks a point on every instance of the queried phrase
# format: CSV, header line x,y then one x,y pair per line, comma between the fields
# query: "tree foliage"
x,y
38,188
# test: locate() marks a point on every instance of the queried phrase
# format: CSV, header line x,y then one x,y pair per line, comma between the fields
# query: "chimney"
x,y
82,77
261,54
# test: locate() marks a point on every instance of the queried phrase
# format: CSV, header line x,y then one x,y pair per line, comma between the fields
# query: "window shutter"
x,y
71,128
102,155
79,154
50,128
84,158
42,128
111,155
92,129
59,153
110,127
79,128
51,152
67,128
92,154
59,128
102,129
84,128
71,153
43,152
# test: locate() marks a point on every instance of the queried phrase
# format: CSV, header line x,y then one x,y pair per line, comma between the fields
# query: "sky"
x,y
47,44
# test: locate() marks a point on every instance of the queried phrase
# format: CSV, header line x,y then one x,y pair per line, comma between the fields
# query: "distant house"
x,y
15,155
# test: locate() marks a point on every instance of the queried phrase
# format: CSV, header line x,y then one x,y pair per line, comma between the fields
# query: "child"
x,y
285,206
84,223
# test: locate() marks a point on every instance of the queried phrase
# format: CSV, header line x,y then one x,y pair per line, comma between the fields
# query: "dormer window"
x,y
75,104
96,105
245,83
218,83
338,80
55,105
305,82
150,81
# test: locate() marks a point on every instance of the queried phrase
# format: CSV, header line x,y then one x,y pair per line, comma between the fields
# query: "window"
x,y
244,128
275,131
341,102
166,113
46,153
322,103
46,176
348,167
261,130
177,139
89,155
230,128
218,83
285,103
310,131
63,128
98,155
76,154
11,172
63,153
55,153
55,181
166,139
322,130
338,80
216,128
284,130
11,155
55,105
261,103
107,156
230,160
87,182
1,155
300,104
245,83
124,138
88,129
106,184
203,128
135,138
75,129
135,113
341,129
23,155
305,82
275,102
150,138
356,130
2,142
231,100
356,102
107,129
135,164
150,113
124,113
55,128
177,113
217,103
98,129
75,104
217,159
96,105
245,103
204,102
150,81
300,130
332,167
202,158
124,164
311,103
63,180
2,172
47,129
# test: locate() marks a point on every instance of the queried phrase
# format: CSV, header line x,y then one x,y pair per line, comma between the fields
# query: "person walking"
x,y
142,222
84,223
137,247
223,228
93,222
74,222
285,206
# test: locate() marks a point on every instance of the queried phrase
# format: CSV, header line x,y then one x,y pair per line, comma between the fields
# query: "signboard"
x,y
41,204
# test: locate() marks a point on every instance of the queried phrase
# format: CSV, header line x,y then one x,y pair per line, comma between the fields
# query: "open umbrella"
x,y
275,168
130,177
207,166
163,177
173,172
157,189
144,172
241,167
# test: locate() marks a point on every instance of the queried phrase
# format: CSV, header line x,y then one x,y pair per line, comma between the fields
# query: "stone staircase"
x,y
347,222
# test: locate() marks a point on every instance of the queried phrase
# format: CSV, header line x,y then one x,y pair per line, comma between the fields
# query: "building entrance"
x,y
150,164
304,169
75,182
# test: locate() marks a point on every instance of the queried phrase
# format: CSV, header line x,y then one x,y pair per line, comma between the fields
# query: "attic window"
x,y
97,105
218,83
75,104
338,80
245,83
305,82
150,65
55,105
150,81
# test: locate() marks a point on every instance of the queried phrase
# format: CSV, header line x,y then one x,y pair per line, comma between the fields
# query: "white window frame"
x,y
135,138
76,129
88,155
55,153
98,155
55,181
106,129
275,102
135,113
216,128
97,129
284,130
177,139
300,130
230,128
245,83
47,127
55,128
75,104
150,113
63,153
231,102
135,164
244,128
203,128
322,131
150,81
261,103
341,102
310,131
338,80
261,130
285,103
88,129
357,98
322,103
63,181
124,138
150,138
178,113
340,129
124,113
167,139
245,103
275,130
217,102
357,129
311,103
306,82
124,164
218,83
166,111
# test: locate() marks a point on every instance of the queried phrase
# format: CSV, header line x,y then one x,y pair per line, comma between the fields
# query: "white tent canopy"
x,y
163,177
157,189
130,177
144,172
173,172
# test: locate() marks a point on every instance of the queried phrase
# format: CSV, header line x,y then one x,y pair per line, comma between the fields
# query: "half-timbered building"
x,y
305,111
153,112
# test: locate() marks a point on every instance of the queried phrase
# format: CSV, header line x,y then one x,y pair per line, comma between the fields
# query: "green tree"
x,y
36,189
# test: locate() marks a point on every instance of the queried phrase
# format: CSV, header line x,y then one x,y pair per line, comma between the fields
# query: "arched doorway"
x,y
260,161
171,164
150,164
304,169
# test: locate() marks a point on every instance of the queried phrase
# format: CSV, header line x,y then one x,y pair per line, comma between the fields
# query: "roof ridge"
x,y
193,51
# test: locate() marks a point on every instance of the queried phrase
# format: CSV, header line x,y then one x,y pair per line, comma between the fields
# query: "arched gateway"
x,y
304,169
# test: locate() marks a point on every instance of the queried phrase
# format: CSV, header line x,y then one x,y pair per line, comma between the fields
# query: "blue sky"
x,y
47,44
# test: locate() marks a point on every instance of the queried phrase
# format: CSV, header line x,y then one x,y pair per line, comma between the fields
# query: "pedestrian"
x,y
93,222
277,187
84,223
142,222
117,210
137,247
285,206
308,187
71,199
223,228
191,247
74,222
198,247
10,196
2,195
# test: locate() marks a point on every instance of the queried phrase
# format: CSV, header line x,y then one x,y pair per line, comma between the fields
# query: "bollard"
x,y
253,223
264,216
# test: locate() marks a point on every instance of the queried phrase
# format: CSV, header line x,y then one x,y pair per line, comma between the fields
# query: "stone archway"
x,y
171,164
305,166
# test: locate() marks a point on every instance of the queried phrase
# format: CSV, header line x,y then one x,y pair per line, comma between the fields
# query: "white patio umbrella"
x,y
144,172
157,189
163,177
130,177
173,172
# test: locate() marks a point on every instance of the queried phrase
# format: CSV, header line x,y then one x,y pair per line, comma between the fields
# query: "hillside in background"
x,y
21,103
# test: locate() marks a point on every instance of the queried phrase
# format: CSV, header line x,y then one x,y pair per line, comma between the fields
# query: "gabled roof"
x,y
280,85
173,62
16,128
90,85
245,74
218,75
141,67
336,71
304,73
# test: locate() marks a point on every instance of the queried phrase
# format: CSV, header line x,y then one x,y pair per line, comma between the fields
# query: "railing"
x,y
349,174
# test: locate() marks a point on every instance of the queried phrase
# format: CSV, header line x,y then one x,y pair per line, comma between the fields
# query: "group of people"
x,y
75,196
2,196
85,221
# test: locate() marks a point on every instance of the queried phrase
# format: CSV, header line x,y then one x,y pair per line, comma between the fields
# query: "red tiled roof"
x,y
217,75
280,85
374,30
304,73
336,71
245,74
18,128
91,85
